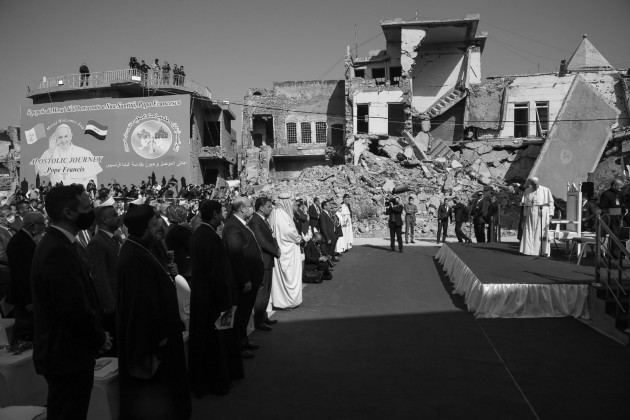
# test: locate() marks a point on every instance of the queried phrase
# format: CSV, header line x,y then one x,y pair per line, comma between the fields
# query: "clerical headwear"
x,y
137,218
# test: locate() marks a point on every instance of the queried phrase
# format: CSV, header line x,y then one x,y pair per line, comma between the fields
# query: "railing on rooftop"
x,y
150,80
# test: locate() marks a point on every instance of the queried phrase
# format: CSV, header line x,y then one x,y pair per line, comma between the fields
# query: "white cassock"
x,y
80,172
347,229
342,244
538,206
286,283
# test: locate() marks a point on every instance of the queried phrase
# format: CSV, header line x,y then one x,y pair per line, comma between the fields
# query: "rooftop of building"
x,y
587,57
129,80
439,31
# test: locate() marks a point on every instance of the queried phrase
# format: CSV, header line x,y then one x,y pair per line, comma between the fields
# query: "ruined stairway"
x,y
446,102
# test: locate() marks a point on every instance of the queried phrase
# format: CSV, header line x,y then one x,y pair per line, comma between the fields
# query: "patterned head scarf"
x,y
176,214
286,203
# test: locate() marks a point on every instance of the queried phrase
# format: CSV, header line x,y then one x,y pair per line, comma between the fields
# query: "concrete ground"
x,y
386,338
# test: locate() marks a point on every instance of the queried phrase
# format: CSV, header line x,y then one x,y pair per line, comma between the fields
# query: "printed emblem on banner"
x,y
151,139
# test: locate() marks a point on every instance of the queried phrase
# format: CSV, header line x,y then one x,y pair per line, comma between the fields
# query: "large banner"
x,y
107,140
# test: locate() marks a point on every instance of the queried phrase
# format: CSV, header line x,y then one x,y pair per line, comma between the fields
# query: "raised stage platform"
x,y
497,281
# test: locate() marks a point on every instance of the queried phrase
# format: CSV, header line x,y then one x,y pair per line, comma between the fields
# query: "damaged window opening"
x,y
305,129
521,119
262,130
291,133
336,135
320,132
470,133
363,119
542,119
395,119
378,74
359,73
395,75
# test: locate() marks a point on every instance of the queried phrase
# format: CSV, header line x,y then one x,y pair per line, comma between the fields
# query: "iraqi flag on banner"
x,y
96,130
35,133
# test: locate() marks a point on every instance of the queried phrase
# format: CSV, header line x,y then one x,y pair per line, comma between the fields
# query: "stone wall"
x,y
308,101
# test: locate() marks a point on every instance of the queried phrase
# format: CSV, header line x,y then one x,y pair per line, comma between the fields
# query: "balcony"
x,y
114,78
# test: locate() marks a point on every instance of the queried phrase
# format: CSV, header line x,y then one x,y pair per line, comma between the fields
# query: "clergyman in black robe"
x,y
152,365
214,356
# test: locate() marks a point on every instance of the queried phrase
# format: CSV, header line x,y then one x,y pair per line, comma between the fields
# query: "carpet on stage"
x,y
497,281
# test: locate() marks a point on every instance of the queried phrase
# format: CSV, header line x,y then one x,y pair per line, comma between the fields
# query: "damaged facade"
x,y
411,94
293,126
9,158
566,118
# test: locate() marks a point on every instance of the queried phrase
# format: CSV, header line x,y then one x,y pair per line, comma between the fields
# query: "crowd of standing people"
x,y
90,277
161,73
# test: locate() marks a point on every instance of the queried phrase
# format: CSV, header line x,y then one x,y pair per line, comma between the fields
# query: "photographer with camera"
x,y
394,210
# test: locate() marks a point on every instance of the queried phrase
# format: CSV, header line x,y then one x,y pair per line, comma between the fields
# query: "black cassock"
x,y
214,356
153,379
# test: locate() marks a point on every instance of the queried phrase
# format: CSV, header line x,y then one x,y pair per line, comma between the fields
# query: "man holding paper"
x,y
214,358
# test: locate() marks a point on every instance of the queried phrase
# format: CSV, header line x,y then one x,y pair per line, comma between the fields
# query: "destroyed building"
x,y
9,158
421,76
293,126
567,118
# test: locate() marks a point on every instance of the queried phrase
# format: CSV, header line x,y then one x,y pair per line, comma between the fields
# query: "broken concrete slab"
x,y
577,140
389,186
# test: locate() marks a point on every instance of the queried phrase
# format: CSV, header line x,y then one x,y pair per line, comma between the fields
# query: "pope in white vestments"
x,y
342,244
286,283
347,228
538,207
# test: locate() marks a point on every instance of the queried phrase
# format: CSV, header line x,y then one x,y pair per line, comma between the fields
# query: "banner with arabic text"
x,y
107,140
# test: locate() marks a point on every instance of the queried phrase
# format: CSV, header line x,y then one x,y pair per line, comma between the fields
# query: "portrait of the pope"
x,y
65,167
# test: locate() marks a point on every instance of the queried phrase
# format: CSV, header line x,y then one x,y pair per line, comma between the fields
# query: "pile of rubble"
x,y
377,177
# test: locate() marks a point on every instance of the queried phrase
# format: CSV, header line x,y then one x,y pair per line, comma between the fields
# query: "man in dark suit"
x,y
394,211
270,251
68,331
247,266
314,211
444,213
327,229
102,252
20,251
314,258
214,356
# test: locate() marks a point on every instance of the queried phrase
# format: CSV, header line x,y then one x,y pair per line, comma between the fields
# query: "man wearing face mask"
x,y
68,332
20,251
102,252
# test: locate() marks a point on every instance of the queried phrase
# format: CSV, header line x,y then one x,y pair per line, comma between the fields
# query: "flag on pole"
x,y
35,133
96,130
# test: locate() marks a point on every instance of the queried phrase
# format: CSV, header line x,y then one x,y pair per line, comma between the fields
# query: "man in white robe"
x,y
286,283
538,207
347,216
72,164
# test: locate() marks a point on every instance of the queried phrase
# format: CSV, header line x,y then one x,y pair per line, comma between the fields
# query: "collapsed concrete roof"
x,y
587,57
438,30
